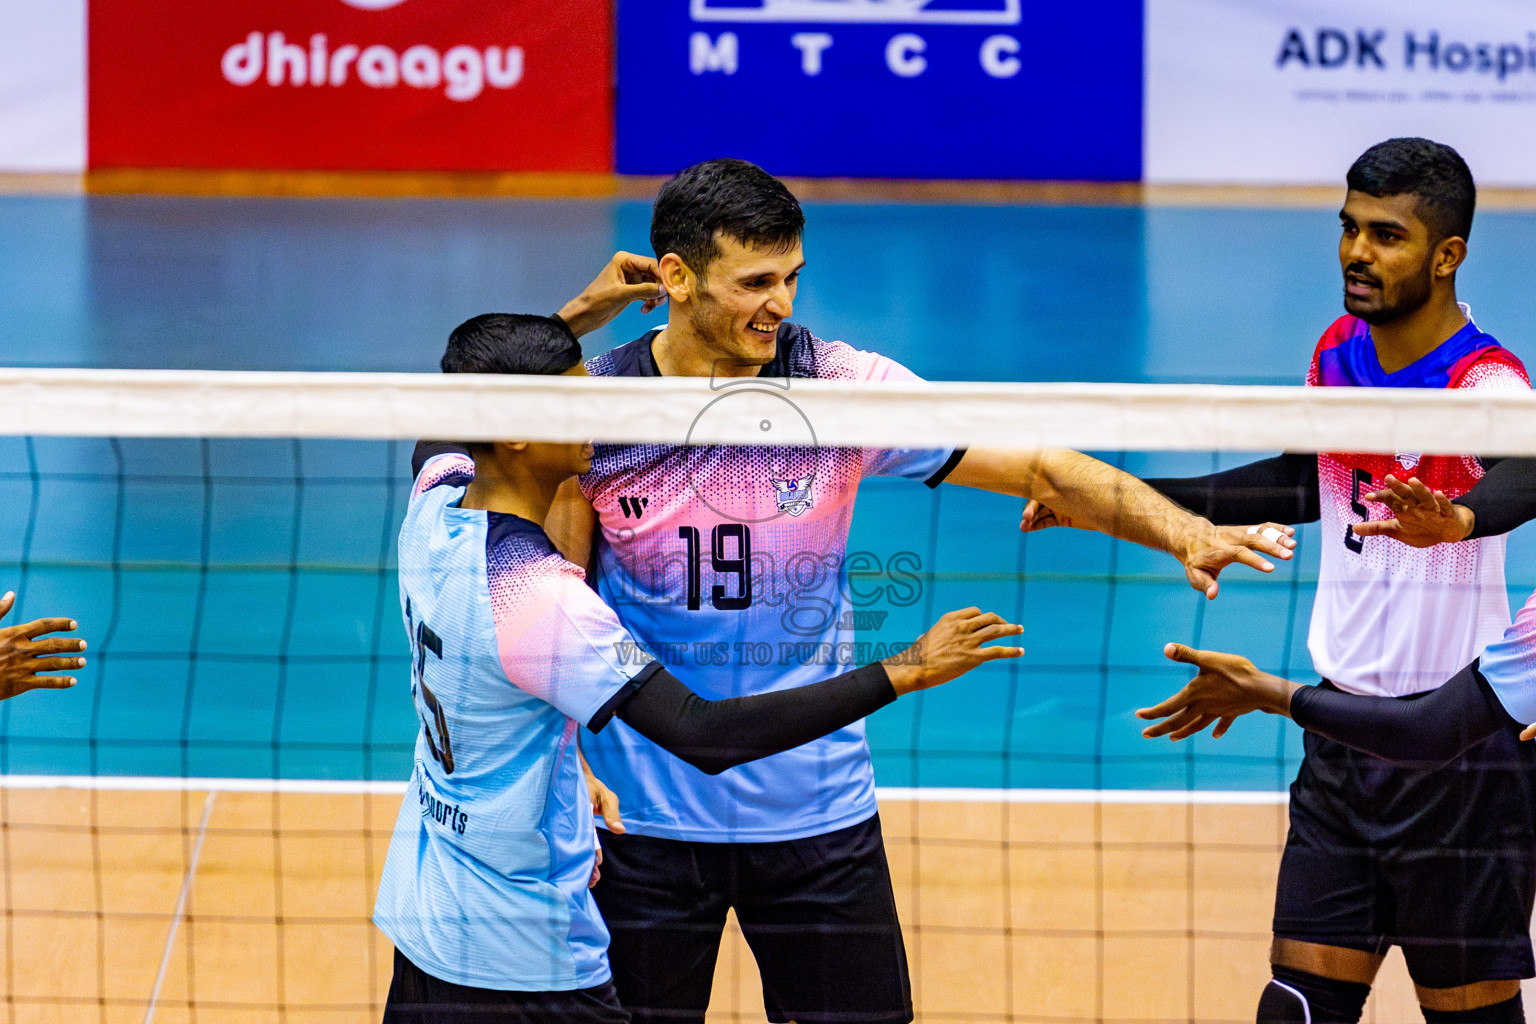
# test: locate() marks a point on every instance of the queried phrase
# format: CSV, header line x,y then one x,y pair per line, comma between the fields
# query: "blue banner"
x,y
883,88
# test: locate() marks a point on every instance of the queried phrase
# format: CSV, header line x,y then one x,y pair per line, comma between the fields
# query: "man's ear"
x,y
1449,256
678,278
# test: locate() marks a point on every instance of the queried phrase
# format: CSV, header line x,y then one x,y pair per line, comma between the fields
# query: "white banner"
x,y
42,85
1291,91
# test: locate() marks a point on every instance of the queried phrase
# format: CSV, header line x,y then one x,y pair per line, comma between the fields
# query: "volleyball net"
x,y
196,830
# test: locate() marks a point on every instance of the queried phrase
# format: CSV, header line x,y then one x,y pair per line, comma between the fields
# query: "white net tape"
x,y
1135,417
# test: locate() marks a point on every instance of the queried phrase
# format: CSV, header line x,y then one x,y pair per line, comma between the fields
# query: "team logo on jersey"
x,y
633,508
794,496
1408,460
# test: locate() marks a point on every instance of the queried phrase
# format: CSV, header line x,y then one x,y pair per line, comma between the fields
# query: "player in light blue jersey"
x,y
485,887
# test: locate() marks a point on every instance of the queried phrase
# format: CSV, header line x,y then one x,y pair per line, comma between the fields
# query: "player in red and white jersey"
x,y
1390,619
1440,861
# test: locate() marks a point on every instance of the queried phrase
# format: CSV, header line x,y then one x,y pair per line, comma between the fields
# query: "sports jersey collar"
x,y
504,526
1433,368
1356,363
637,360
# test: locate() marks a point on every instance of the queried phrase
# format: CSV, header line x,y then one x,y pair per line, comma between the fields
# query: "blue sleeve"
x,y
930,465
557,641
1509,665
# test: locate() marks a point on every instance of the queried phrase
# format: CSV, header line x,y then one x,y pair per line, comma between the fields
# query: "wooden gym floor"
x,y
249,907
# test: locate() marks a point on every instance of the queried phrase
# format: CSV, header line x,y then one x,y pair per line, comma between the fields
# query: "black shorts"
x,y
1441,863
818,913
416,997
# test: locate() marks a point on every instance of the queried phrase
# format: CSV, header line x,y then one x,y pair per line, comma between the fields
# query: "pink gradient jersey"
x,y
728,565
1389,619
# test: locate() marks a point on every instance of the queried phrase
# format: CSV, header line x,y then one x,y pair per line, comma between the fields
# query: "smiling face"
x,y
1389,260
735,307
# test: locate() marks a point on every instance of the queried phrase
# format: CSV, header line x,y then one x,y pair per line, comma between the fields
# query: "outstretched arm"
x,y
1282,489
1082,491
714,735
1503,499
1278,490
1431,730
1426,731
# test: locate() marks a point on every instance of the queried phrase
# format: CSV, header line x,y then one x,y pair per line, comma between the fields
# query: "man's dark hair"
x,y
511,343
734,197
1434,172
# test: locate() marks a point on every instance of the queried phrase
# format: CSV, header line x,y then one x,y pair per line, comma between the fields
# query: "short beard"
x,y
706,321
1414,294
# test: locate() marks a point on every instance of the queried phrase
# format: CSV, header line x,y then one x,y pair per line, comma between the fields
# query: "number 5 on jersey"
x,y
428,709
1353,540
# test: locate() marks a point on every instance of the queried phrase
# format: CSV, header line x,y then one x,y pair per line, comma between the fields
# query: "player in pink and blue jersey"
x,y
716,555
485,888
1440,860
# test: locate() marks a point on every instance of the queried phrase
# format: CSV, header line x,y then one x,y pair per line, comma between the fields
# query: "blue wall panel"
x,y
883,88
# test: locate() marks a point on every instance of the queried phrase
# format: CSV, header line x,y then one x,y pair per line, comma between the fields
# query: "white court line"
x,y
172,784
928,794
181,908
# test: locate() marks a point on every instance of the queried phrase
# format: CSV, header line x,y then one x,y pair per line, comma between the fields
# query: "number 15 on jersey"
x,y
423,642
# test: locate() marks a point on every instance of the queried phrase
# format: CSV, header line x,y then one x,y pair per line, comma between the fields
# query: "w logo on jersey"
x,y
794,495
633,508
1408,460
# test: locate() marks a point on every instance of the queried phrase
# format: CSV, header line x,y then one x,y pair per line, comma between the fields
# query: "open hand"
x,y
1227,685
1211,549
1422,517
627,278
23,655
951,648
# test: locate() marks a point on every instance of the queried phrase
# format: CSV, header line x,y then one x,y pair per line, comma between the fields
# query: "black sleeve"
x,y
1419,732
1504,498
427,449
1281,490
942,473
713,735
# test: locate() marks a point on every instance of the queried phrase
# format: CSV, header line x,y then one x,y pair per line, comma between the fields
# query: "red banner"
x,y
499,85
